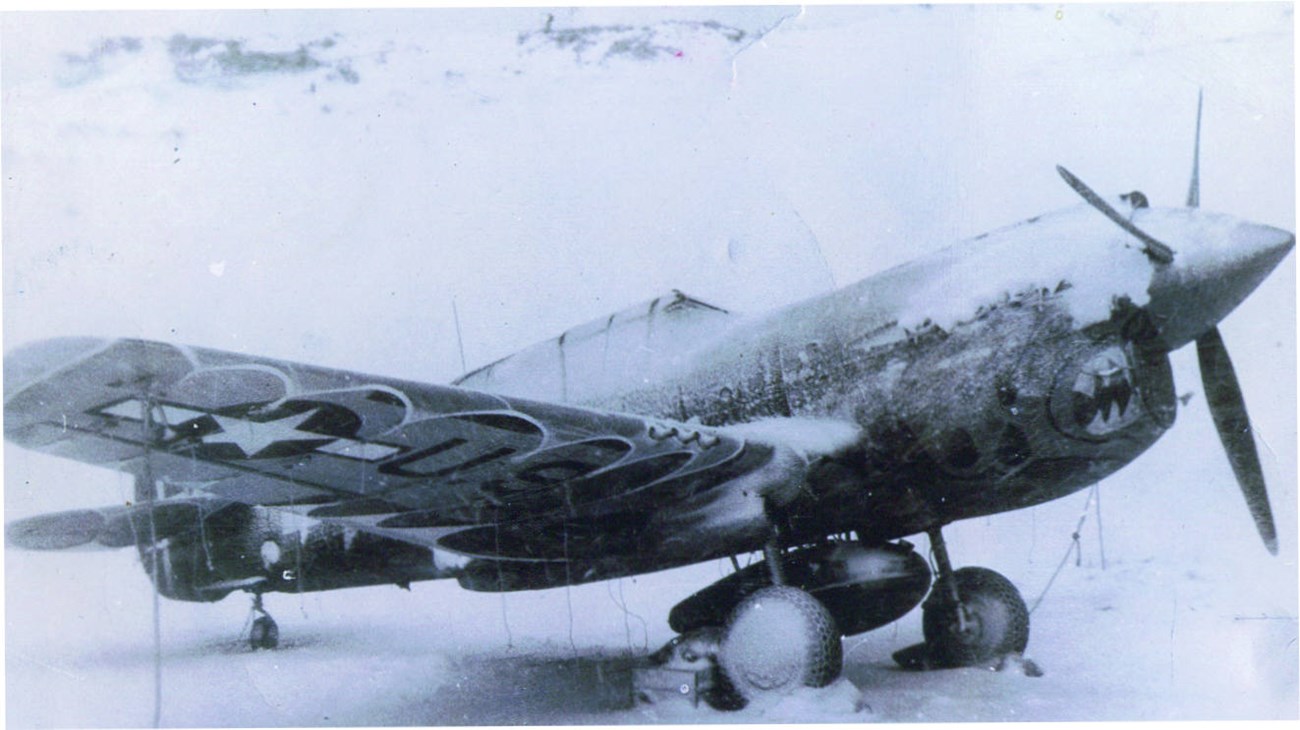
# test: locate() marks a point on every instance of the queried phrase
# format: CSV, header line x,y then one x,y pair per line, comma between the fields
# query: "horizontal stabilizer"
x,y
77,528
109,527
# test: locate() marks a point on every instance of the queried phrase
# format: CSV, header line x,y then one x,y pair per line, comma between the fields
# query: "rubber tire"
x,y
777,640
999,621
264,634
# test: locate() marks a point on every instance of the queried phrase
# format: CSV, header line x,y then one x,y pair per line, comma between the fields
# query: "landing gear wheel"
x,y
264,633
778,639
995,621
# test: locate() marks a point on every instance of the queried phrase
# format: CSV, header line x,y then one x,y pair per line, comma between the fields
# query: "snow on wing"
x,y
423,463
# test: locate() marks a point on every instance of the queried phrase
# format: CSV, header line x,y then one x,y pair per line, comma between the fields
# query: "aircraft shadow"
x,y
526,689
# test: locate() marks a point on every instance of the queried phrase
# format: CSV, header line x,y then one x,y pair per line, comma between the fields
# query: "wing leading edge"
x,y
477,475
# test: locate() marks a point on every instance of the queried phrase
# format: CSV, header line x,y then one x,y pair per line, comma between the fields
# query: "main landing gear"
x,y
264,633
773,627
973,617
777,638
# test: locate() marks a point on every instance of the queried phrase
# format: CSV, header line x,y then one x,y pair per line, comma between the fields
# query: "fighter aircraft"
x,y
1005,371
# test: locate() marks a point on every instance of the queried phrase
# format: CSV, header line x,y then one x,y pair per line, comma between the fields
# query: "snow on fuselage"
x,y
1004,371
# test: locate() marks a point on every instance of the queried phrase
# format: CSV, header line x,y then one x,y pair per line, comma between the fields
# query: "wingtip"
x,y
33,361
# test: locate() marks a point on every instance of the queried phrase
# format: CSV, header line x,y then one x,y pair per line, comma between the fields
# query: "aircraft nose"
x,y
1218,263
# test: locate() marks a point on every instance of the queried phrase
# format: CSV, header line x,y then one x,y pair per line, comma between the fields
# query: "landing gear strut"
x,y
780,637
973,617
777,638
264,633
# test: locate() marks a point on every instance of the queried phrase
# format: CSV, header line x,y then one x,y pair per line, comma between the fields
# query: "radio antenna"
x,y
460,341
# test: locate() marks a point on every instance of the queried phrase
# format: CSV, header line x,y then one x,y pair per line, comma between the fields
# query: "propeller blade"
x,y
1155,250
1194,191
1229,413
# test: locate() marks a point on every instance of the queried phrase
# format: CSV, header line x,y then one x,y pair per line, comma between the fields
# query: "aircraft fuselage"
x,y
1005,371
1014,407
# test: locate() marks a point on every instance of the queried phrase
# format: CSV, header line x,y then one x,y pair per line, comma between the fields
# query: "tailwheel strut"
x,y
264,633
973,617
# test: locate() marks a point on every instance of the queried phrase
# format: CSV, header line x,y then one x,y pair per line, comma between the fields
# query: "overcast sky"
x,y
327,200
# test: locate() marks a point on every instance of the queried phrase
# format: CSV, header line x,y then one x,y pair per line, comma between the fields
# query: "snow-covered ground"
x,y
320,186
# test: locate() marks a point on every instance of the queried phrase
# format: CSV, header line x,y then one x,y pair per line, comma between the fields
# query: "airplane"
x,y
1008,370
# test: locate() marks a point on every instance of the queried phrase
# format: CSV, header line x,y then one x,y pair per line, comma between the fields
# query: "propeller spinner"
x,y
1259,249
1223,393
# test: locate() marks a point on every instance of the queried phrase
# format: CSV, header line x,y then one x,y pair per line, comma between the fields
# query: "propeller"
x,y
1229,412
1194,190
1155,250
1223,393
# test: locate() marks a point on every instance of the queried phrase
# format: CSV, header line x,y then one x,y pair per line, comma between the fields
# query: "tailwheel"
x,y
987,622
264,633
778,639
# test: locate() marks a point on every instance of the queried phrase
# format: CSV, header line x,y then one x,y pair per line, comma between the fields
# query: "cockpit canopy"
x,y
606,356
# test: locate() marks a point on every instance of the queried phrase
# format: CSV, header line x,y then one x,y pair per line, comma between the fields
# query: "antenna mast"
x,y
460,341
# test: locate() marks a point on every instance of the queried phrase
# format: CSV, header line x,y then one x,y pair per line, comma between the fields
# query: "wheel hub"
x,y
970,628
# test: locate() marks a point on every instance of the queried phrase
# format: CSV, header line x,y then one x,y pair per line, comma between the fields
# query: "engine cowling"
x,y
864,587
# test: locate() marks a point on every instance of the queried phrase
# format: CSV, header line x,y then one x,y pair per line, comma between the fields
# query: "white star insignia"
x,y
253,437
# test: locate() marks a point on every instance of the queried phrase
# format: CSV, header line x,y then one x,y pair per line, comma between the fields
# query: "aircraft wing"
x,y
440,466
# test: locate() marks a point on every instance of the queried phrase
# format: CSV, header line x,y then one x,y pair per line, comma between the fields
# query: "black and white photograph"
x,y
649,365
